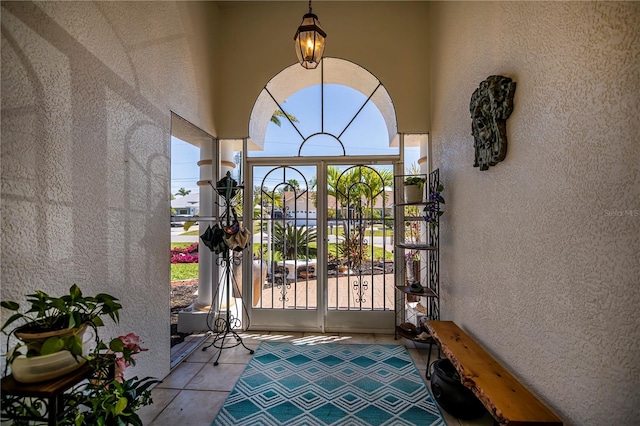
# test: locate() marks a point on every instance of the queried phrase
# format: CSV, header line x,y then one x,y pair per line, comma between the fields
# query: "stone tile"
x,y
387,339
235,355
449,419
407,342
161,398
221,377
319,338
420,359
273,336
191,408
486,420
201,356
181,375
423,372
364,339
284,336
201,381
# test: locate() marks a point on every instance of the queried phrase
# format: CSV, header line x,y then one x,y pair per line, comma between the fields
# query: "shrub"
x,y
185,254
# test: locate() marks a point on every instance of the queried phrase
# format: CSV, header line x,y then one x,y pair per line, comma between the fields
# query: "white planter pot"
x,y
48,367
45,367
413,194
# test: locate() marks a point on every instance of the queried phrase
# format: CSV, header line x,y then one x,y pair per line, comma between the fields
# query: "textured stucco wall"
x,y
87,90
540,253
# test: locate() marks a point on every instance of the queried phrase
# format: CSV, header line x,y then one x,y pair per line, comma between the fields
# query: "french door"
x,y
322,256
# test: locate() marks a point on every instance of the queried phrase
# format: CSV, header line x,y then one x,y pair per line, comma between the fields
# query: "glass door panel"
x,y
285,248
360,278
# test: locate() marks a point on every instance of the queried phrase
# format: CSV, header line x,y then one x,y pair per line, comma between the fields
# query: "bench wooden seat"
x,y
508,401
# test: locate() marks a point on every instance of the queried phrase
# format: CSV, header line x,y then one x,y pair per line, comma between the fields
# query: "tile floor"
x,y
195,390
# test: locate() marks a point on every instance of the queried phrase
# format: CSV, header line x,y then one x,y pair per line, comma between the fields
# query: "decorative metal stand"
x,y
224,326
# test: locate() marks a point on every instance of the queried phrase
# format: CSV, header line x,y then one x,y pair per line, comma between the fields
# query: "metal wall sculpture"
x,y
491,105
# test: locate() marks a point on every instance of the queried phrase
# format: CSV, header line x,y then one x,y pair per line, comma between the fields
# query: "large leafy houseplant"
x,y
108,398
52,324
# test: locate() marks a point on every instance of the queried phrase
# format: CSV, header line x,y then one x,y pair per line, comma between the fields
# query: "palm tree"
x,y
279,113
183,192
293,185
357,188
269,196
377,180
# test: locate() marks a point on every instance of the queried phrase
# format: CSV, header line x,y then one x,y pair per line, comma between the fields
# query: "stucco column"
x,y
226,165
424,162
205,255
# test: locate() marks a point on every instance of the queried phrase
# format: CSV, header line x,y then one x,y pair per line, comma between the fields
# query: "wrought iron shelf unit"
x,y
416,203
426,292
414,246
402,333
418,237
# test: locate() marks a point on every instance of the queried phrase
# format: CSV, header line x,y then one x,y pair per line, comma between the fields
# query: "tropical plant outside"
x,y
293,242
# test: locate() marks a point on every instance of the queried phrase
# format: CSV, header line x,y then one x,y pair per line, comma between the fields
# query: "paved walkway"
x,y
345,292
177,237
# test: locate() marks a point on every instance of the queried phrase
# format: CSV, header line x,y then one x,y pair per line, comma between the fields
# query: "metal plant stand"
x,y
224,325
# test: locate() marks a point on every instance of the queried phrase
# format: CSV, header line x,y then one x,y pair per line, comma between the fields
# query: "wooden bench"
x,y
508,401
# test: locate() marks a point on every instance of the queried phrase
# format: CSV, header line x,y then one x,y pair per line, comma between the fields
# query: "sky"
x,y
184,168
366,134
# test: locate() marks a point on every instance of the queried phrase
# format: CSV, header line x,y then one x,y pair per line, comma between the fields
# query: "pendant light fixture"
x,y
309,41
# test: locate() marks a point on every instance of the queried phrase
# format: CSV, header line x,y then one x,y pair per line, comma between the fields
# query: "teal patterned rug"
x,y
330,384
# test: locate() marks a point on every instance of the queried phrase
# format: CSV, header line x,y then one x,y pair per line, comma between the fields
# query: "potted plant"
x,y
52,329
414,189
110,399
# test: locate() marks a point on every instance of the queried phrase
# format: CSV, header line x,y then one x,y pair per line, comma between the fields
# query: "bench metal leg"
x,y
427,374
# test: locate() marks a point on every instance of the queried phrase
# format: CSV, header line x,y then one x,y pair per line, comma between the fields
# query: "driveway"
x,y
177,237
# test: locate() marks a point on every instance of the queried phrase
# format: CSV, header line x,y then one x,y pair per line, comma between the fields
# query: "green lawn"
x,y
188,271
184,271
378,253
180,245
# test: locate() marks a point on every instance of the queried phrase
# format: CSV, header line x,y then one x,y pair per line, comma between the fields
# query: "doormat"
x,y
330,384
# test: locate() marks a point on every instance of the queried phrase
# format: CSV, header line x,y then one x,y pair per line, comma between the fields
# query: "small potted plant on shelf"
x,y
51,332
414,189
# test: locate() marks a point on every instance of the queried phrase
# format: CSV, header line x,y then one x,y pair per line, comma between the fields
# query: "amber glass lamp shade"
x,y
309,41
